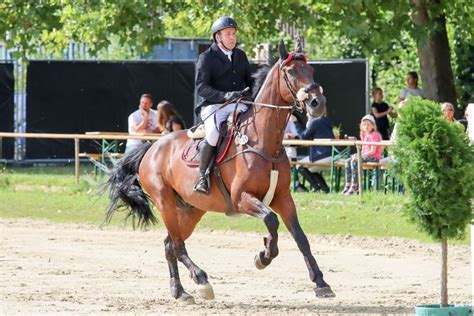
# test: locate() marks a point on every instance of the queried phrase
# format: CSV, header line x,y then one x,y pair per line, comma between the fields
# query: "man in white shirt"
x,y
143,120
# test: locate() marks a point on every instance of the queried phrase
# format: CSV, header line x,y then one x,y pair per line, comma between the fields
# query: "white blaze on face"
x,y
302,95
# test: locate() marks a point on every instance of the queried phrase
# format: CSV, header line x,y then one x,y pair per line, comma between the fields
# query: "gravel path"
x,y
80,269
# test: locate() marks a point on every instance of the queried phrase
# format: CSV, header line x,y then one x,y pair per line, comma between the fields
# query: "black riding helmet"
x,y
222,23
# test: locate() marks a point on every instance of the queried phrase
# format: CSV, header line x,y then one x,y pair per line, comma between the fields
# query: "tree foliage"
x,y
52,24
436,165
382,30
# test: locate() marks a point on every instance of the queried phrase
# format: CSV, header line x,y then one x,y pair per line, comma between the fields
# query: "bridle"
x,y
298,96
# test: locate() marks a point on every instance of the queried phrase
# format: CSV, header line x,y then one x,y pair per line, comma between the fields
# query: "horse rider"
x,y
222,75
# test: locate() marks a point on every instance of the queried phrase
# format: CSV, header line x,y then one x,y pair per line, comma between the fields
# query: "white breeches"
x,y
212,122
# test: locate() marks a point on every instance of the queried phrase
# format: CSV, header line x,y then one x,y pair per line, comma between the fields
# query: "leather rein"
x,y
298,105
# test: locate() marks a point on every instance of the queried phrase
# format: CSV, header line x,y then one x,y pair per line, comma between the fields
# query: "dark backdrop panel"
x,y
7,91
344,85
76,97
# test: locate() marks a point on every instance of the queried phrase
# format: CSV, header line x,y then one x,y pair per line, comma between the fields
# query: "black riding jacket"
x,y
216,75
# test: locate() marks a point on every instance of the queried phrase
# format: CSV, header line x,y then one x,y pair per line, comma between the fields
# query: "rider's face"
x,y
228,37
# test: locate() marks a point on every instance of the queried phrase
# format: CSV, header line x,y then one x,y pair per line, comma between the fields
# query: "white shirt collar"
x,y
227,53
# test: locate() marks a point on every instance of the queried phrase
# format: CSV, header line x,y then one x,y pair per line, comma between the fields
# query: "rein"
x,y
278,157
288,107
298,105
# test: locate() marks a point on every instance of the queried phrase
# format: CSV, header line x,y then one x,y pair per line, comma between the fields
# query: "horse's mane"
x,y
259,78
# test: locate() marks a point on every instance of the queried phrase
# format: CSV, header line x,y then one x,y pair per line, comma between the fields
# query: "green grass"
x,y
52,194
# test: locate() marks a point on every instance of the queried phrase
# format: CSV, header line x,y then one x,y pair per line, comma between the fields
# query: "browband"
x,y
294,56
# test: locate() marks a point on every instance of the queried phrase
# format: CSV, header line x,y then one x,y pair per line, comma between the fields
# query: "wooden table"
x,y
110,143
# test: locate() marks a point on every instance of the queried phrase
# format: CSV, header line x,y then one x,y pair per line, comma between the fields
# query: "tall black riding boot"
x,y
207,154
309,177
321,182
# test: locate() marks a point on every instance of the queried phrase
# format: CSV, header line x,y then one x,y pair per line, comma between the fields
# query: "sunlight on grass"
x,y
55,196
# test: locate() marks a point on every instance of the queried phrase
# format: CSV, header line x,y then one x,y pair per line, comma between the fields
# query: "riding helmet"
x,y
222,23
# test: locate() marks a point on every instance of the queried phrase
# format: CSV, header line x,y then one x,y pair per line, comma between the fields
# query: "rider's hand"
x,y
232,95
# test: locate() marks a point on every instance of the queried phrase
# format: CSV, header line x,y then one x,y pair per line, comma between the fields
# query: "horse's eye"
x,y
291,72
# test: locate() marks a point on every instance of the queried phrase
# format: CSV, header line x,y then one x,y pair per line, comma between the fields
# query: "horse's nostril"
x,y
314,103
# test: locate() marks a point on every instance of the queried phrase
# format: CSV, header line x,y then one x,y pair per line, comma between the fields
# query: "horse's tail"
x,y
125,192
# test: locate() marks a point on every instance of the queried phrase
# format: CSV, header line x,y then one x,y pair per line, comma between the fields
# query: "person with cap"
x,y
223,75
369,153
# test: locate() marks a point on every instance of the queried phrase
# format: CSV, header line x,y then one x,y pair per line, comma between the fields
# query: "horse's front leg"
x,y
284,205
250,205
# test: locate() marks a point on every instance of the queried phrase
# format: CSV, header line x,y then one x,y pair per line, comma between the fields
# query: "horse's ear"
x,y
298,48
282,49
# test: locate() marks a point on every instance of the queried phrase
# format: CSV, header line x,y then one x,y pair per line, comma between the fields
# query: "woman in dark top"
x,y
168,119
318,126
380,111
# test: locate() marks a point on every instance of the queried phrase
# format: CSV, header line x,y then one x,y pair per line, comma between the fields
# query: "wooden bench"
x,y
373,170
311,164
98,159
335,168
98,156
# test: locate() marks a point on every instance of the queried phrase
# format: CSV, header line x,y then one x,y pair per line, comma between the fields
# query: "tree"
x,y
379,29
434,52
51,24
436,165
382,29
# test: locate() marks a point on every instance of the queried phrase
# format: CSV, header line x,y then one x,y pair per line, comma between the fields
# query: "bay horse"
x,y
157,172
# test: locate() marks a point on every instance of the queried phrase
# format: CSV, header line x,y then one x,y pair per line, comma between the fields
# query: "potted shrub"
x,y
436,165
337,131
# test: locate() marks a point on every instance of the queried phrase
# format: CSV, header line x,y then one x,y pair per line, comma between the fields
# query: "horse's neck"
x,y
270,123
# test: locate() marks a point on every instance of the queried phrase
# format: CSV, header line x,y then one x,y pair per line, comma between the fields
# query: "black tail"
x,y
125,192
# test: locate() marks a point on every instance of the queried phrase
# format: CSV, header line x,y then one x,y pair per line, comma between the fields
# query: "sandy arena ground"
x,y
79,269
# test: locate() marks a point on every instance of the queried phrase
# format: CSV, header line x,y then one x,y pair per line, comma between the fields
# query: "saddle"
x,y
191,153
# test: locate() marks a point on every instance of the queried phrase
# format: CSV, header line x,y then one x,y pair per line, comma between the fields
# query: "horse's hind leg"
x,y
188,220
249,204
164,199
180,225
177,290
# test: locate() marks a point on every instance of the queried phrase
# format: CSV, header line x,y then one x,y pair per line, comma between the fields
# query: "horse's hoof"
x,y
324,292
186,299
258,263
205,291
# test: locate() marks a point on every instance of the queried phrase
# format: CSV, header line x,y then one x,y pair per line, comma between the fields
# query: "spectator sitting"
x,y
370,153
380,111
290,150
412,87
142,121
318,126
168,119
448,111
